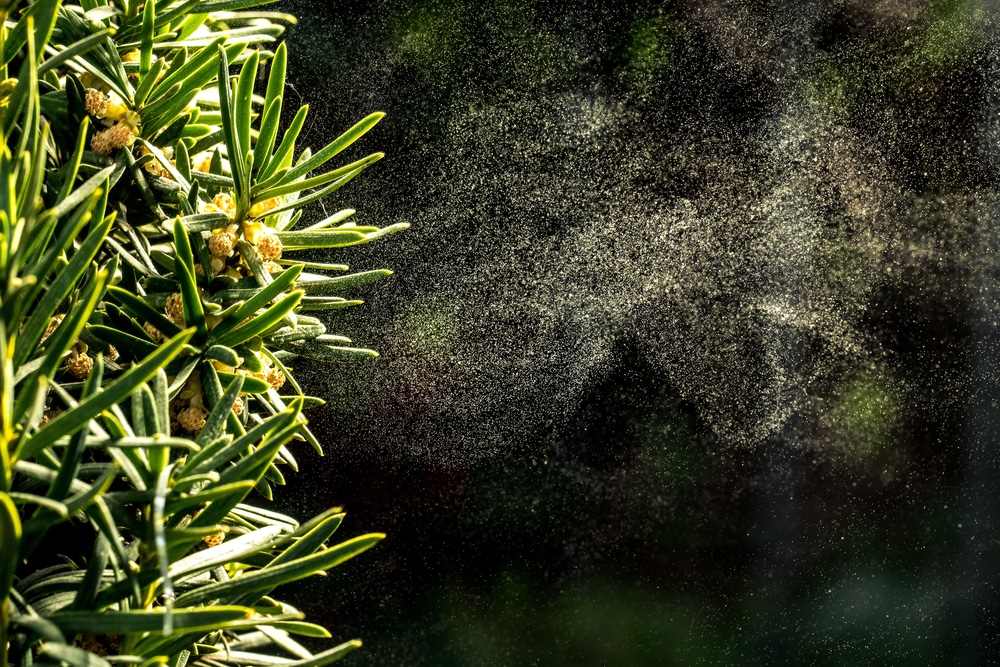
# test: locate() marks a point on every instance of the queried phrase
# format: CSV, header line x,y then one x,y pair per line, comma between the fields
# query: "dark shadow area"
x,y
689,356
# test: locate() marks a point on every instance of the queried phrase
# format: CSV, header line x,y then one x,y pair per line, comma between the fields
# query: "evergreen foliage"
x,y
155,283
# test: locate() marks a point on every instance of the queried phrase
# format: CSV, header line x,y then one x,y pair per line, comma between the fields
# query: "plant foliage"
x,y
152,294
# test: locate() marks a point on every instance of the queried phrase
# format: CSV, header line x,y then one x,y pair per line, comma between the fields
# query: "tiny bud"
x,y
192,418
269,247
175,309
79,365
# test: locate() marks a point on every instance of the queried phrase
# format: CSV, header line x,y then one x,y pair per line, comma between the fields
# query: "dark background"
x,y
690,352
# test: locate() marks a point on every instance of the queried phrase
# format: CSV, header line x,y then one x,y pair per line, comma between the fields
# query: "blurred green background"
x,y
690,356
